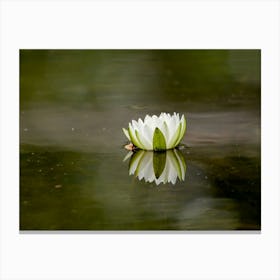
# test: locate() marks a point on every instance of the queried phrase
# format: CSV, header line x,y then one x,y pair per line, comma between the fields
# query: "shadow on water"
x,y
73,105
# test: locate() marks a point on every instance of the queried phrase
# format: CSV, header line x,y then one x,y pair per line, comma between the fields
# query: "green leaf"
x,y
159,143
159,160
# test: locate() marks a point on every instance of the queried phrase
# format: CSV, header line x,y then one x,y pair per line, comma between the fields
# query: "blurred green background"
x,y
73,104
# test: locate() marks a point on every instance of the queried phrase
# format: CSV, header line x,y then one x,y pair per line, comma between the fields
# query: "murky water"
x,y
73,105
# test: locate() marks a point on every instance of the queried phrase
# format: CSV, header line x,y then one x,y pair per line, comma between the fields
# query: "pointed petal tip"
x,y
126,133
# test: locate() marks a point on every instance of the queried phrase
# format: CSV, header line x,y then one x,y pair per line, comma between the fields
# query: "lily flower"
x,y
156,133
164,167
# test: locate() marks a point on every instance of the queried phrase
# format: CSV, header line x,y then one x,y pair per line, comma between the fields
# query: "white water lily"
x,y
157,133
163,167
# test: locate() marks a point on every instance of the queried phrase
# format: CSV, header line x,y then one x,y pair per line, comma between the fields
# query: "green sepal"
x,y
159,143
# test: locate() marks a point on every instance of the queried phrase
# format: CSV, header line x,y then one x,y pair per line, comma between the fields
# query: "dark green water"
x,y
73,105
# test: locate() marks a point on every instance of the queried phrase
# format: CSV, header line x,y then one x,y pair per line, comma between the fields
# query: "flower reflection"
x,y
163,167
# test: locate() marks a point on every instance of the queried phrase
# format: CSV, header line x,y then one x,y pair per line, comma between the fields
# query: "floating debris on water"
x,y
130,147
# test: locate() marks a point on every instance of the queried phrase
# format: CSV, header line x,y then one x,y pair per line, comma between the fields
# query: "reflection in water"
x,y
163,167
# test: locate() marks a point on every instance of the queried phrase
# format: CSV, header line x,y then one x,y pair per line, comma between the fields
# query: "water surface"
x,y
73,105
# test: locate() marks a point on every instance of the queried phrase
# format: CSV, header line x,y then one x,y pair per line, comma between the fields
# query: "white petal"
x,y
144,140
172,130
149,133
154,121
183,129
164,129
134,138
135,124
126,134
172,126
147,118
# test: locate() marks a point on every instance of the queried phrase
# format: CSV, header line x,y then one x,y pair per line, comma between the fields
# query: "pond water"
x,y
73,171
